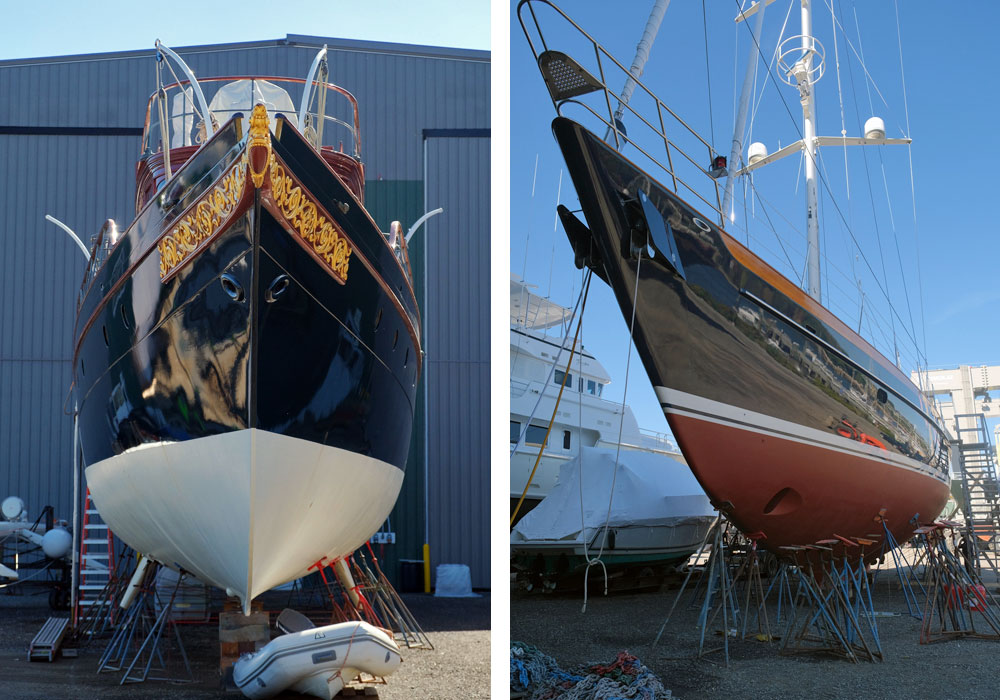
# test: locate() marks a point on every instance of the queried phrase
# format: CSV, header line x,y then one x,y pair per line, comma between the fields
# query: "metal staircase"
x,y
977,461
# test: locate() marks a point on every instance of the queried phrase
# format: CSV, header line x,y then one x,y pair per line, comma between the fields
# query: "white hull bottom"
x,y
245,511
317,661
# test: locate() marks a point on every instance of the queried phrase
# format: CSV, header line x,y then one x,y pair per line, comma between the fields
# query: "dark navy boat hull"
x,y
335,363
246,363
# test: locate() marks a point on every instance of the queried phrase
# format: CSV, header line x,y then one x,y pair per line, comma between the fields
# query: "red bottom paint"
x,y
798,494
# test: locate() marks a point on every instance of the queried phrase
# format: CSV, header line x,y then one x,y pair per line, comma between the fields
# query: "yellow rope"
x,y
552,420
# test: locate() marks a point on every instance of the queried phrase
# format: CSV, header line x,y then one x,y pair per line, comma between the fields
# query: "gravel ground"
x,y
965,668
458,628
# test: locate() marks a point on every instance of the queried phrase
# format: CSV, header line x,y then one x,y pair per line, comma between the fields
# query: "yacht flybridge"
x,y
248,348
585,418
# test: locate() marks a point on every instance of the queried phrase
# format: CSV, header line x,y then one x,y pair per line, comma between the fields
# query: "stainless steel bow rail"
x,y
568,81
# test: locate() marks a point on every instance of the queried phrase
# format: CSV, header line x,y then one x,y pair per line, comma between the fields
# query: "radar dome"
x,y
875,128
56,543
757,151
12,508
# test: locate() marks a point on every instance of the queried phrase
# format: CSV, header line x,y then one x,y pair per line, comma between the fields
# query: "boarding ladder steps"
x,y
97,560
977,460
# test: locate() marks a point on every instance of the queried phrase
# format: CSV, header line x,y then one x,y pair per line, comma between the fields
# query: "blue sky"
x,y
64,27
950,111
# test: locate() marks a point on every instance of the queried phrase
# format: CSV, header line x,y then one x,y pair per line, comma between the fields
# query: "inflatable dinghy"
x,y
315,660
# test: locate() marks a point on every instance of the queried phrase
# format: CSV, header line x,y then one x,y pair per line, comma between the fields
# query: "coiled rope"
x,y
539,675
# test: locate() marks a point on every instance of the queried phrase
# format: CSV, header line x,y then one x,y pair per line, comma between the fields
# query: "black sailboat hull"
x,y
797,428
248,330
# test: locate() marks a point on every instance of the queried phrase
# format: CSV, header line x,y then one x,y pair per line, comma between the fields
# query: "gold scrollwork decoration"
x,y
202,221
314,227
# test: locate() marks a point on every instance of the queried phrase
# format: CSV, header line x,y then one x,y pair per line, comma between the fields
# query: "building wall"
x,y
458,371
69,139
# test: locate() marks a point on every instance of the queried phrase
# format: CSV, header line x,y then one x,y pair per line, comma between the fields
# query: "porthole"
x,y
121,310
702,225
277,288
231,287
83,368
406,358
105,330
395,339
378,318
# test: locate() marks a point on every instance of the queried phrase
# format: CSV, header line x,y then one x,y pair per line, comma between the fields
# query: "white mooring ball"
x,y
12,507
56,543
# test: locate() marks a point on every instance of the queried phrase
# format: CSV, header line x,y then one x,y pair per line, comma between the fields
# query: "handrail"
x,y
307,93
355,130
101,246
609,98
206,116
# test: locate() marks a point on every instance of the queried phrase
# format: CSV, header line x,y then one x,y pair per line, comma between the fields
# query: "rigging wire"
x,y
545,440
913,196
791,243
770,223
621,425
524,264
870,83
832,280
708,73
548,378
836,206
868,75
555,228
868,177
847,174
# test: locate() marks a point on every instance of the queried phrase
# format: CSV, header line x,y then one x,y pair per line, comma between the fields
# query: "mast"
x,y
639,62
801,64
806,96
741,114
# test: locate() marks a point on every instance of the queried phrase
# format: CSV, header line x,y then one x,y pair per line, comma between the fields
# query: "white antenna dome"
x,y
56,543
756,152
12,507
875,128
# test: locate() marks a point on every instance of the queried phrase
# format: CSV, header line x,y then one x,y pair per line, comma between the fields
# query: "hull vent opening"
x,y
785,501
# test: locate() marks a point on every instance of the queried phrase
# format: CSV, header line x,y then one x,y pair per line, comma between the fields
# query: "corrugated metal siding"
x,y
399,94
83,180
458,353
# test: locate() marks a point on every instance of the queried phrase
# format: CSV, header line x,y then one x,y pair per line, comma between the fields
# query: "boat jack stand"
x,y
958,603
142,620
904,570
